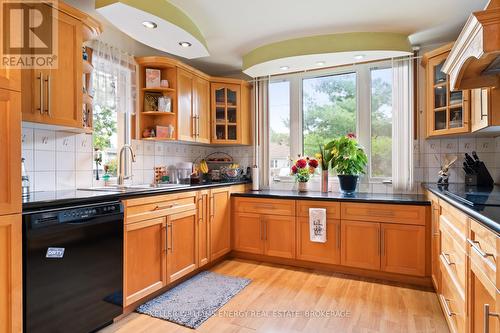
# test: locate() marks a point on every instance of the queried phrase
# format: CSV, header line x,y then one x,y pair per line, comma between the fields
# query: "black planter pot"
x,y
348,183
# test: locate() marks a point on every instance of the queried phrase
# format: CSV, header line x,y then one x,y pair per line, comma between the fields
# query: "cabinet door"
x,y
203,228
360,244
11,287
63,86
10,79
328,252
479,108
186,119
201,98
403,249
182,256
226,113
279,236
436,244
248,233
10,152
484,303
245,126
220,230
145,259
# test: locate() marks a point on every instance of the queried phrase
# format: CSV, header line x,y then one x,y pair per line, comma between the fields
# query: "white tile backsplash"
x,y
44,140
65,141
65,161
44,160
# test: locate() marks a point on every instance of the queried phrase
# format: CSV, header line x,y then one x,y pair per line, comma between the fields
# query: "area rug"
x,y
195,300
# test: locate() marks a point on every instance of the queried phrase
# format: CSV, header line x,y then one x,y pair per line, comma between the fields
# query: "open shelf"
x,y
158,89
157,113
159,139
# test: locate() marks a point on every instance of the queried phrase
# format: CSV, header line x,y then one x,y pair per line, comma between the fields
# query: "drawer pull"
x,y
264,206
476,246
446,306
487,315
158,207
446,260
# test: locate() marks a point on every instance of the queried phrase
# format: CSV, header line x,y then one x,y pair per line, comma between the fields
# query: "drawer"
x,y
404,214
264,206
457,219
453,304
484,247
454,258
332,208
157,206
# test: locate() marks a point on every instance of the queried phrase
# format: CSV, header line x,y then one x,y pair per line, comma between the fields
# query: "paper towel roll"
x,y
255,178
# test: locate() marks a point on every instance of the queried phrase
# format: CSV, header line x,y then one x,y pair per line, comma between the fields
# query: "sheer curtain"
x,y
402,125
261,102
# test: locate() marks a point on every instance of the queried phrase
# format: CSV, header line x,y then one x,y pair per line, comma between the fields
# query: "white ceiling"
x,y
232,28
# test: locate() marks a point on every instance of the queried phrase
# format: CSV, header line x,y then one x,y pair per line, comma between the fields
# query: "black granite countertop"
x,y
489,216
405,199
52,199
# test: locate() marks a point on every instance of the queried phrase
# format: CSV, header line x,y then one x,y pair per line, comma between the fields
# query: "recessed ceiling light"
x,y
359,57
185,44
149,24
320,63
284,68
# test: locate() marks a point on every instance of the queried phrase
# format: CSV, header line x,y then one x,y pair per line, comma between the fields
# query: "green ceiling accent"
x,y
162,9
344,42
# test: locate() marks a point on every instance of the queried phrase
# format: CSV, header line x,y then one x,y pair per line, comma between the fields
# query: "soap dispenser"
x,y
25,179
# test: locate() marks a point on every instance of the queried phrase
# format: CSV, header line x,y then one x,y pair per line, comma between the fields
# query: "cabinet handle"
x,y
260,228
193,126
264,206
447,306
168,235
481,100
476,246
164,231
40,77
212,208
337,226
200,209
265,229
379,242
382,242
171,237
198,126
446,260
49,97
377,212
158,207
487,315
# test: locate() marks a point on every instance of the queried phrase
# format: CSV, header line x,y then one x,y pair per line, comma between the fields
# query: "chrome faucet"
x,y
121,167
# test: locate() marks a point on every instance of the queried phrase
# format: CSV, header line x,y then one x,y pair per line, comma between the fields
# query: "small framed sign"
x,y
153,78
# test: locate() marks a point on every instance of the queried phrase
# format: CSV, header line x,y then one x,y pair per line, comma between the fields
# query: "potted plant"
x,y
303,169
348,160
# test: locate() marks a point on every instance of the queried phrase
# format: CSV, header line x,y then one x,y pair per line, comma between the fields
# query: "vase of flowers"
x,y
348,160
302,170
324,156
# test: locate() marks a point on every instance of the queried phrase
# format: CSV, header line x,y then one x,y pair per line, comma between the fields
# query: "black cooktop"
x,y
475,196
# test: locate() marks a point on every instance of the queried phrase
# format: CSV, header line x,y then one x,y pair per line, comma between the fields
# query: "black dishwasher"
x,y
73,268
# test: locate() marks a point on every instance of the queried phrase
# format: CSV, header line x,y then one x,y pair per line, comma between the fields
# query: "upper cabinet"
x,y
483,102
474,61
44,101
231,114
447,111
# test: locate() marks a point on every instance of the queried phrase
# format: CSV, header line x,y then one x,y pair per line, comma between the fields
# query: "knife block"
x,y
481,178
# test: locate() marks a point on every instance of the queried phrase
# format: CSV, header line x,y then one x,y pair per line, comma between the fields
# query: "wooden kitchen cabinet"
x,y
182,233
402,249
248,233
360,244
279,236
10,152
145,259
10,79
483,104
193,96
447,111
203,227
220,228
328,252
435,241
485,303
11,286
55,96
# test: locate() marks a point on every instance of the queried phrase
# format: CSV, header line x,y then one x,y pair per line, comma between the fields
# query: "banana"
x,y
203,166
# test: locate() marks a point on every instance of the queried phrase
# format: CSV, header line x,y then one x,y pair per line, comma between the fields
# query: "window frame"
x,y
363,108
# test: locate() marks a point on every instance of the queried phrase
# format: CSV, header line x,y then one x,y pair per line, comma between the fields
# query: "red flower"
x,y
351,135
294,169
313,163
302,163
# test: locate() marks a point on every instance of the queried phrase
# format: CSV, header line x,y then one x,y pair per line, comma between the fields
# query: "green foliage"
x,y
112,166
348,157
104,123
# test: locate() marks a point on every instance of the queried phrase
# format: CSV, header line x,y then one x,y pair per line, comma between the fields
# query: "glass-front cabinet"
x,y
448,112
226,111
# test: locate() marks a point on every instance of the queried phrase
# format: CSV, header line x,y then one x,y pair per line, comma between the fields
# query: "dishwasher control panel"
x,y
74,214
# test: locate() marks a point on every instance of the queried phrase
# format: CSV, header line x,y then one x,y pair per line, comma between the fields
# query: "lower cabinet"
x,y
360,244
220,230
328,252
11,287
271,235
435,242
144,259
182,256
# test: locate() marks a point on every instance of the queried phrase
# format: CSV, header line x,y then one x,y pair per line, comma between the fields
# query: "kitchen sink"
x,y
133,188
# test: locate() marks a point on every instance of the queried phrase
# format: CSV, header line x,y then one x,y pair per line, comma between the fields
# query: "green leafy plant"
x,y
348,157
324,156
104,127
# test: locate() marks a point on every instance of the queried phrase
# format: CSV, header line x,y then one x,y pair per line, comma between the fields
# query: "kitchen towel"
x,y
317,225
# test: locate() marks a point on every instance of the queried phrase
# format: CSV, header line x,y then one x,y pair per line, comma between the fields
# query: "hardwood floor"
x,y
370,306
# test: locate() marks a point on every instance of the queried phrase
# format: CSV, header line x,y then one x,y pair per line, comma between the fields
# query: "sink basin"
x,y
132,188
